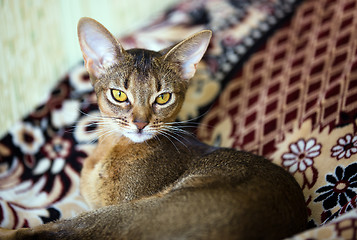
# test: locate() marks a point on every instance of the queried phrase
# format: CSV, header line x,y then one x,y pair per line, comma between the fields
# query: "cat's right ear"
x,y
100,48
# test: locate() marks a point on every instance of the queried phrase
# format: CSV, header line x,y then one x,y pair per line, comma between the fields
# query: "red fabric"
x,y
295,102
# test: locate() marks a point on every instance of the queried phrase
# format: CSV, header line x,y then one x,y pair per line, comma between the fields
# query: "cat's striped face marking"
x,y
140,92
140,102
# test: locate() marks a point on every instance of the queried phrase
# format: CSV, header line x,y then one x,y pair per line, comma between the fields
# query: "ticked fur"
x,y
145,180
142,75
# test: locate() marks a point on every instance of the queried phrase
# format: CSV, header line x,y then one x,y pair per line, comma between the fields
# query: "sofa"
x,y
279,79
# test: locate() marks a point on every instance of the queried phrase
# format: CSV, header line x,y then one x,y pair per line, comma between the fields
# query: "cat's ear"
x,y
99,47
189,52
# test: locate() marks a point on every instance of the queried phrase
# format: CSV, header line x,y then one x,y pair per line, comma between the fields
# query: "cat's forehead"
x,y
142,68
144,61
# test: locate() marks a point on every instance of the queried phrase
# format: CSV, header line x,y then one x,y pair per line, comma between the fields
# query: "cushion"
x,y
295,102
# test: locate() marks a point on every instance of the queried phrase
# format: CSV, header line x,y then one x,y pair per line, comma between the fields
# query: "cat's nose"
x,y
141,124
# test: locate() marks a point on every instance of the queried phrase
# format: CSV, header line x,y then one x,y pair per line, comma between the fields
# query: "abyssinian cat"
x,y
145,182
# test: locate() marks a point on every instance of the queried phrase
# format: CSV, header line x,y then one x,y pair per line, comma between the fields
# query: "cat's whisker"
x,y
187,124
93,124
170,134
192,119
157,137
178,131
99,135
177,139
166,135
103,120
107,134
73,128
177,134
94,141
181,122
104,129
147,143
182,125
94,116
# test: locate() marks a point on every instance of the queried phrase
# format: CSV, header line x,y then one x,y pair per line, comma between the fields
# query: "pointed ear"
x,y
189,52
99,47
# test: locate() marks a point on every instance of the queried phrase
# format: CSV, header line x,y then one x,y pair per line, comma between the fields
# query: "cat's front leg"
x,y
21,233
45,231
104,223
7,234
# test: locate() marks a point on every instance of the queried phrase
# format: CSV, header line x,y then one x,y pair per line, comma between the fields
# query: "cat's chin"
x,y
138,137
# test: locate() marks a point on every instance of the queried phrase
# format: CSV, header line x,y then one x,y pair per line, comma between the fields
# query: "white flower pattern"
x,y
301,155
345,148
28,137
86,129
79,79
56,152
66,115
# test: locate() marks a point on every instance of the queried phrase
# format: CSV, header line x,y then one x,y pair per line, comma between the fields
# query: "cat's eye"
x,y
119,96
163,98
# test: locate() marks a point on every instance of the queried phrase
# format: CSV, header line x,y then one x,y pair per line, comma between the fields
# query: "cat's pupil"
x,y
119,95
163,98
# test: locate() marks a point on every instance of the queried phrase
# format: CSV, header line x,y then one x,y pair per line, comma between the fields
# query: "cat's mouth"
x,y
138,136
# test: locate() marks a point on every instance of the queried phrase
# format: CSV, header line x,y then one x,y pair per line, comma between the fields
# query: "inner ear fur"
x,y
99,47
189,52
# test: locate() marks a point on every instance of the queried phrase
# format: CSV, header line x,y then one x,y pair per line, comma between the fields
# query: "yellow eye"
x,y
163,98
119,96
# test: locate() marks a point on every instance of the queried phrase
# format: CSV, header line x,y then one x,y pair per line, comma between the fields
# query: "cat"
x,y
144,181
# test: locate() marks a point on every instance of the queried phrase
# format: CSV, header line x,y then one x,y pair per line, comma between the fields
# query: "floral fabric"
x,y
42,155
295,102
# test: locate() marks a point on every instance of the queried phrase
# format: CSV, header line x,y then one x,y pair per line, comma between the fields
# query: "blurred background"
x,y
39,44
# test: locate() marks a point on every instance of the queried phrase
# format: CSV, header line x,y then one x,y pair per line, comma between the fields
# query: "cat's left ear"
x,y
99,47
189,52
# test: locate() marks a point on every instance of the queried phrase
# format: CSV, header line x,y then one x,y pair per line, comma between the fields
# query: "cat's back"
x,y
241,169
249,187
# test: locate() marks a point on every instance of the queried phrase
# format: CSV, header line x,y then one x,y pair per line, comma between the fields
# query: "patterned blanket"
x,y
285,72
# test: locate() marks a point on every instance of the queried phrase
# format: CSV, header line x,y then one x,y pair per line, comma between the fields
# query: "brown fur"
x,y
168,186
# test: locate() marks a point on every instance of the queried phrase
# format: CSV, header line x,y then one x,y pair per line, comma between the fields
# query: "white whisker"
x,y
157,137
106,133
168,137
171,134
179,130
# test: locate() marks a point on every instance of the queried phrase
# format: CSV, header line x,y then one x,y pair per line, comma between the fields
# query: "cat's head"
x,y
139,91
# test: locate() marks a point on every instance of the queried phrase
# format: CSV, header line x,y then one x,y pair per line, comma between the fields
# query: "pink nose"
x,y
140,125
